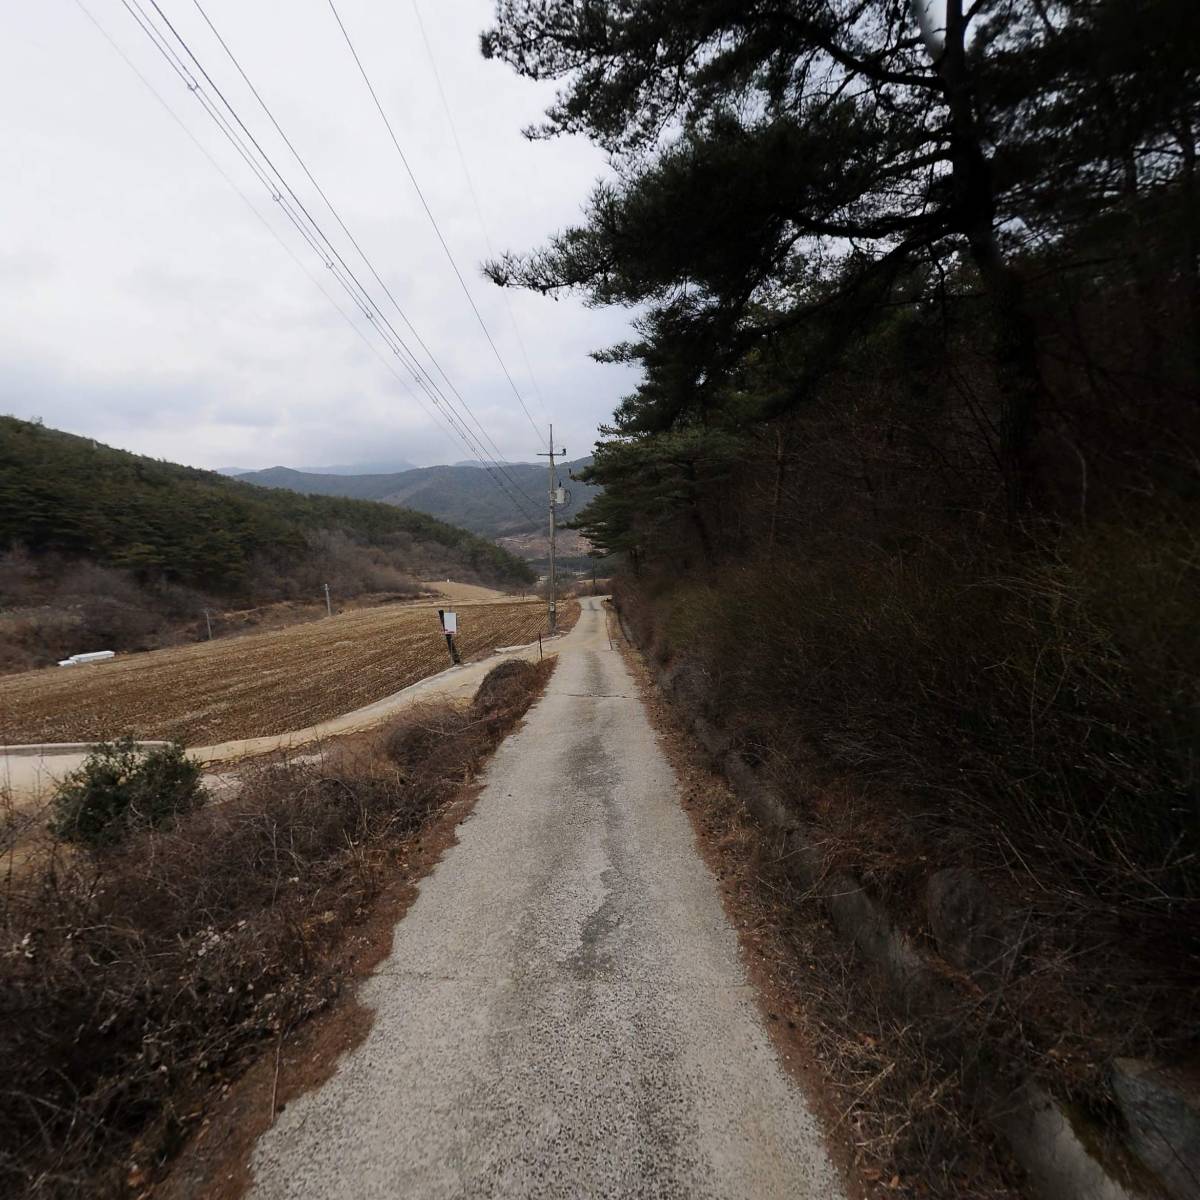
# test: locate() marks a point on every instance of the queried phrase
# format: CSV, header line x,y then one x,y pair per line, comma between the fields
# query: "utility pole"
x,y
552,614
328,605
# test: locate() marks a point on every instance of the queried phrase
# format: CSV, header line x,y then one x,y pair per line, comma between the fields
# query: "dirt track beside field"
x,y
256,685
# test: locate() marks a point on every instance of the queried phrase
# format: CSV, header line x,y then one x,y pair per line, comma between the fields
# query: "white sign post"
x,y
449,622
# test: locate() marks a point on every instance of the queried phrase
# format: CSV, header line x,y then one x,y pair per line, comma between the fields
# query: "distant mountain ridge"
x,y
387,466
461,494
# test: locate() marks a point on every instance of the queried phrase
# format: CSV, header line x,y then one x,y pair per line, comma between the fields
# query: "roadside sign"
x,y
449,622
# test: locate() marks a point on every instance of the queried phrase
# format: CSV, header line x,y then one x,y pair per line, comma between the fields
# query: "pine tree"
x,y
787,165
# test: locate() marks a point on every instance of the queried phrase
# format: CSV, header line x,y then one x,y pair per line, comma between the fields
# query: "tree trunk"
x,y
1191,233
776,495
1017,376
697,517
1143,281
701,529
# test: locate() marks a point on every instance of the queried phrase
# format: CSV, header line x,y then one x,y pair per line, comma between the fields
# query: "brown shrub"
x,y
1044,702
445,741
503,684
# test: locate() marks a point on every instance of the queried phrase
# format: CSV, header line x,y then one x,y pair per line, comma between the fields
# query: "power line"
x,y
294,208
157,39
498,457
363,303
470,181
427,383
462,283
250,205
340,269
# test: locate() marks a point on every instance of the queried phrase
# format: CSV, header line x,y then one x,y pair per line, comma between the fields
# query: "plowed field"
x,y
259,684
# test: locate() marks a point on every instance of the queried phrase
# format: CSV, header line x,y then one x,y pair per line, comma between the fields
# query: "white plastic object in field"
x,y
90,657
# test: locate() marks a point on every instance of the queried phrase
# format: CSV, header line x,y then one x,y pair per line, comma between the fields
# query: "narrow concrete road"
x,y
563,1013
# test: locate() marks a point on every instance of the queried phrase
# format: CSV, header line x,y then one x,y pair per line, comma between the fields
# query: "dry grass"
x,y
133,981
905,1089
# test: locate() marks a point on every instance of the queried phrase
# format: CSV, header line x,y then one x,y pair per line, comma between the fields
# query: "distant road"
x,y
564,1012
464,591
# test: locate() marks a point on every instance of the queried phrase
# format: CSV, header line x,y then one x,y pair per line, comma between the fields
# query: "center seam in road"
x,y
592,695
565,975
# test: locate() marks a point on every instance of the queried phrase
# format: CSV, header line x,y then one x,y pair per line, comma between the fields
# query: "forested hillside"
x,y
134,544
69,495
910,484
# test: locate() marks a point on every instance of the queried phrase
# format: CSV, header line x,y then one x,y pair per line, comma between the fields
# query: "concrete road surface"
x,y
563,1013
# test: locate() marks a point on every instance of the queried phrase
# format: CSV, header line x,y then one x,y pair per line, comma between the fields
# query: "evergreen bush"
x,y
121,788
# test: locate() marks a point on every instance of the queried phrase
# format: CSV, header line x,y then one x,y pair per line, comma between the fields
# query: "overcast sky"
x,y
143,304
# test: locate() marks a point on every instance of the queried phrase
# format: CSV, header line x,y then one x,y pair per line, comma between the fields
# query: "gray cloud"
x,y
142,303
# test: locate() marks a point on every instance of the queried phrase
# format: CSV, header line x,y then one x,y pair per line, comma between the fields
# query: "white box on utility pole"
x,y
555,494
